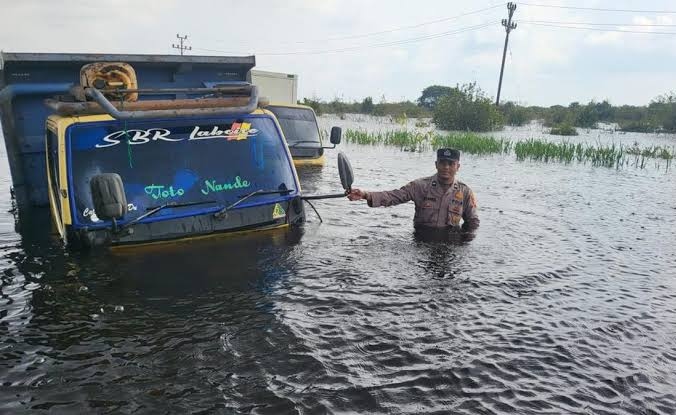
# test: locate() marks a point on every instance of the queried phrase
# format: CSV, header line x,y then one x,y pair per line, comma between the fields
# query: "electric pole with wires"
x,y
181,47
509,26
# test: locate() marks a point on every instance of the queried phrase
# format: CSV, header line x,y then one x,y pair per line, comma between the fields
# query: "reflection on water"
x,y
562,303
442,236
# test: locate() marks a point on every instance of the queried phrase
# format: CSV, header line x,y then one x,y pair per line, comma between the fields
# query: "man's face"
x,y
446,169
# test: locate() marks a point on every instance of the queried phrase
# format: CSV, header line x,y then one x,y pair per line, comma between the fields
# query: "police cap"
x,y
450,154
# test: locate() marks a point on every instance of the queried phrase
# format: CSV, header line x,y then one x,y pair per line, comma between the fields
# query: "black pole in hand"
x,y
332,196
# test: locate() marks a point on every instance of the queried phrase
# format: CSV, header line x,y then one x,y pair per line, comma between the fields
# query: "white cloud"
x,y
658,20
605,38
545,65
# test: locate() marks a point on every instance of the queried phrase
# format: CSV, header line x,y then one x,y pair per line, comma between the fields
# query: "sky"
x,y
560,52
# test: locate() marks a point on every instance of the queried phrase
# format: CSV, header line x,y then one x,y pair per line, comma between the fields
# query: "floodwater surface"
x,y
564,302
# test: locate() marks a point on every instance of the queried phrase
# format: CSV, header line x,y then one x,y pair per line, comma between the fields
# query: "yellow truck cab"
x,y
120,162
160,178
302,134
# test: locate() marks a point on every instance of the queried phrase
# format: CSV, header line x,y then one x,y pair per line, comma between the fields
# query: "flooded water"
x,y
607,135
565,302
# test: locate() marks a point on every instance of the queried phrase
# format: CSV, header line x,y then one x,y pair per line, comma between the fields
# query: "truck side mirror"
x,y
110,202
345,171
336,134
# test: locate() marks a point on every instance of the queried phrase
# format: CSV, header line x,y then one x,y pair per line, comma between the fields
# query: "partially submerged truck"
x,y
298,122
129,149
301,130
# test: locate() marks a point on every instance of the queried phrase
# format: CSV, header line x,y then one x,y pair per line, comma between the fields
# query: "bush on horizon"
x,y
466,108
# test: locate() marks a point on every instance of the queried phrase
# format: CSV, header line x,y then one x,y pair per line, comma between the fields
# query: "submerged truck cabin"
x,y
302,134
298,122
128,149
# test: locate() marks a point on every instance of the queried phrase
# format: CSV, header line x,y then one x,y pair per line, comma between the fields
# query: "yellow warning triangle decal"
x,y
278,212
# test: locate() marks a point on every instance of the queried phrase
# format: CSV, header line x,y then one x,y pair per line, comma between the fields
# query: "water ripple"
x,y
563,303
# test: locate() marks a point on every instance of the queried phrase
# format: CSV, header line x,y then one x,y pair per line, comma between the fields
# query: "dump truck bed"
x,y
27,79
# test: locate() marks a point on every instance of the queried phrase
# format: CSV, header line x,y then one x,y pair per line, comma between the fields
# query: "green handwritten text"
x,y
163,192
211,186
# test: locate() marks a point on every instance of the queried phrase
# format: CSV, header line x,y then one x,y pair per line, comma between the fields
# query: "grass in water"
x,y
608,156
472,143
405,140
533,149
419,141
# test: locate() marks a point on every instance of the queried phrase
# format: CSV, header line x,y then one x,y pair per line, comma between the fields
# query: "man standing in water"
x,y
441,200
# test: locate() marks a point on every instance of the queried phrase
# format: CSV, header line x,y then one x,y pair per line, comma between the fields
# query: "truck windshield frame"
x,y
299,125
186,161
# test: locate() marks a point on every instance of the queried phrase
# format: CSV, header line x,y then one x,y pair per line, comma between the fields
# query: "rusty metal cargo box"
x,y
27,79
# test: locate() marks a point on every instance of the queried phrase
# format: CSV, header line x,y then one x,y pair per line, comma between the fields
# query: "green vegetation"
x,y
472,143
404,140
514,114
422,124
466,108
367,106
608,156
637,127
658,116
418,141
538,150
651,152
563,129
393,109
431,95
663,110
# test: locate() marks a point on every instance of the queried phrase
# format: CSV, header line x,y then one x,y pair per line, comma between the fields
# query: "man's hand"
x,y
357,194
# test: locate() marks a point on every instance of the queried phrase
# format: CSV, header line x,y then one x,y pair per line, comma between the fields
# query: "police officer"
x,y
441,200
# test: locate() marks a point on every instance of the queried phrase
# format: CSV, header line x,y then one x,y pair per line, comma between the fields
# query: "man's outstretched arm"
x,y
386,198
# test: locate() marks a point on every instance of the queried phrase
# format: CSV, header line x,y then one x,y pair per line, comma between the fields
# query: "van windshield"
x,y
298,124
210,162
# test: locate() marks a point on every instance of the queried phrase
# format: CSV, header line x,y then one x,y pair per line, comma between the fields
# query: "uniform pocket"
x,y
454,213
426,214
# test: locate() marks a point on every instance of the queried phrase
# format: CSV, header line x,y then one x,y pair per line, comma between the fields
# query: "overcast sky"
x,y
351,49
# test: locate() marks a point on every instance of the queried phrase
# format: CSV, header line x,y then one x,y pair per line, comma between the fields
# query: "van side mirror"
x,y
345,171
336,134
346,179
110,202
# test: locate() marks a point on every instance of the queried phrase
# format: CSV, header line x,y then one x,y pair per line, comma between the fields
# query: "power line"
x,y
377,45
602,30
445,19
598,24
394,43
395,29
599,9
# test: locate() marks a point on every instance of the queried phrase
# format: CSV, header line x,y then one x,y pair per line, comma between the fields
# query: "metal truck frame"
x,y
223,163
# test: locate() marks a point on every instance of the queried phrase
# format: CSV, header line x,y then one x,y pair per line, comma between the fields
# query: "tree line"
x,y
467,108
658,116
367,106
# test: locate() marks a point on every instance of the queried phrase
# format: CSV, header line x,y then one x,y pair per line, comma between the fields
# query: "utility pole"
x,y
181,47
509,26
